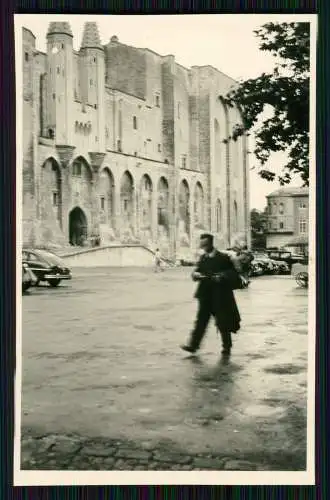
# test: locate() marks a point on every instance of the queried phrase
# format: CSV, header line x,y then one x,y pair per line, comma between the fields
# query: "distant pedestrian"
x,y
217,278
158,261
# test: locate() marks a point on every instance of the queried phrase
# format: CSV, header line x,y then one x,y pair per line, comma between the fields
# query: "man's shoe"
x,y
188,348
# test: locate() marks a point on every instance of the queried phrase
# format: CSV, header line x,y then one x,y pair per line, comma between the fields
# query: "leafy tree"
x,y
258,228
285,93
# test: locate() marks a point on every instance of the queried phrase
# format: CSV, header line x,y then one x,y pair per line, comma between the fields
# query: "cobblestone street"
x,y
106,387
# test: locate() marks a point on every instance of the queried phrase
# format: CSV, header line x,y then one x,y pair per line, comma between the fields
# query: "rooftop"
x,y
59,28
91,37
289,191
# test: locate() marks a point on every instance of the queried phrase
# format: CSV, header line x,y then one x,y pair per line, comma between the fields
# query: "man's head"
x,y
206,242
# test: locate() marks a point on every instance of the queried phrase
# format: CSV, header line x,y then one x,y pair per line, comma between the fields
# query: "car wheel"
x,y
302,279
25,286
54,282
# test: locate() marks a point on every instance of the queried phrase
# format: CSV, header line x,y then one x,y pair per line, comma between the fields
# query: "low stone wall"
x,y
112,256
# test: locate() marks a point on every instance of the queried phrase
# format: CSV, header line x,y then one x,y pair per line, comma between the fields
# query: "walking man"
x,y
158,261
215,295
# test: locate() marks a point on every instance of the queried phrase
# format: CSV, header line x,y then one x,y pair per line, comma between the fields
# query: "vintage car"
x,y
300,274
267,263
257,268
286,256
282,267
28,277
46,266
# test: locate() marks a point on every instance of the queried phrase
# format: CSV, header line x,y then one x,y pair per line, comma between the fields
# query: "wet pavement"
x,y
103,372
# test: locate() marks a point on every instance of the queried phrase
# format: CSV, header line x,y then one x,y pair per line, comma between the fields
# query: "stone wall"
x,y
126,69
152,118
116,256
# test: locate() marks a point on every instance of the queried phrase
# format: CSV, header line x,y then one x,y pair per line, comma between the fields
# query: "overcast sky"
x,y
226,42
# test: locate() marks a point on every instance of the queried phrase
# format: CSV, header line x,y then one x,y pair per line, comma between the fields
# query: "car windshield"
x,y
50,257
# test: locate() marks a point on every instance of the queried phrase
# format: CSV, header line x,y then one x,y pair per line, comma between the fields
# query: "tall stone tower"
x,y
92,78
60,121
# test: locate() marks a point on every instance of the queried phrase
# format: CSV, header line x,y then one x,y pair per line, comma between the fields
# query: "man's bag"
x,y
234,279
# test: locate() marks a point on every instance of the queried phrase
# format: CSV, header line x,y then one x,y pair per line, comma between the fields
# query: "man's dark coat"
x,y
219,297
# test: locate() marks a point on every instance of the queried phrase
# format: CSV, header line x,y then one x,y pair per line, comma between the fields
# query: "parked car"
x,y
257,268
302,279
284,256
300,274
28,277
283,267
46,266
268,264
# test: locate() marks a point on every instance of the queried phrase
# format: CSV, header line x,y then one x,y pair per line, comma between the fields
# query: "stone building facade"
x,y
127,145
287,214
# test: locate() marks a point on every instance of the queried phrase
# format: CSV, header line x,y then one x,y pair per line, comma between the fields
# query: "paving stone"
x,y
97,464
185,467
120,465
239,465
152,466
162,466
171,458
65,445
208,463
148,446
98,451
261,467
135,454
109,463
29,444
46,443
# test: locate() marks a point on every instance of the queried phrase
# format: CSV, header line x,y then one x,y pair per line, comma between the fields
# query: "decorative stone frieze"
x,y
96,160
65,154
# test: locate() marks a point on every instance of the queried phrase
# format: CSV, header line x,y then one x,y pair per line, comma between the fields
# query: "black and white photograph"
x,y
165,228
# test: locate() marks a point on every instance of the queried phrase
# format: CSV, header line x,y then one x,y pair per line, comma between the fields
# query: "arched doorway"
x,y
146,215
162,205
106,206
77,227
184,214
81,182
127,202
106,192
199,206
52,203
146,202
163,223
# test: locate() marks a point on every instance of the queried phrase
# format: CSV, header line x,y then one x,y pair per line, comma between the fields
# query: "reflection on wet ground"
x,y
101,357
